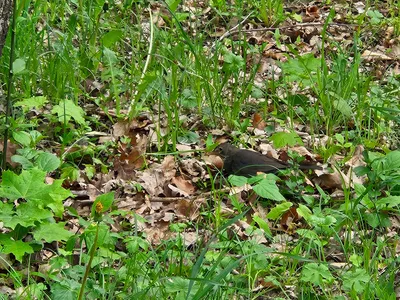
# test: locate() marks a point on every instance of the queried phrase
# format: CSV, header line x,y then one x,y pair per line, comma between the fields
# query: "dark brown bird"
x,y
247,163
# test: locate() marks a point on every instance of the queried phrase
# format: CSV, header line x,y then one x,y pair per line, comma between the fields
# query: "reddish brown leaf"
x,y
258,122
184,185
289,220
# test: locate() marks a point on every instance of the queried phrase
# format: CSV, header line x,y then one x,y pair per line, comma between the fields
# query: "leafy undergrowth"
x,y
112,189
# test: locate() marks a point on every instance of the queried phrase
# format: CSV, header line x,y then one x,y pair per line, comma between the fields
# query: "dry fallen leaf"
x,y
184,185
155,178
332,181
289,220
11,150
258,122
188,209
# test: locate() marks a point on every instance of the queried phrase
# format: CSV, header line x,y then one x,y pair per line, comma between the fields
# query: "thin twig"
x,y
191,198
230,32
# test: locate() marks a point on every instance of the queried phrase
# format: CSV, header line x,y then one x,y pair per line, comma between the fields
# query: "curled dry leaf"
x,y
168,167
332,181
156,234
188,209
238,189
193,168
155,178
301,150
173,191
312,14
11,150
268,150
356,161
130,129
184,150
369,55
258,122
132,156
184,185
289,220
189,238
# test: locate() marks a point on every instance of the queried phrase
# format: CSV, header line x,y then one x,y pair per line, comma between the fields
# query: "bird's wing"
x,y
246,162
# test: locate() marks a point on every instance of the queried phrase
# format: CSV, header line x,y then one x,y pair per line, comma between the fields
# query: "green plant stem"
x,y
10,77
146,65
91,255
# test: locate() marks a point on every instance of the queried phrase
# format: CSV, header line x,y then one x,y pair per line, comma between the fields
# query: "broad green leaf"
x,y
375,15
376,219
58,194
343,107
47,161
51,232
282,139
263,225
70,172
181,16
66,110
187,99
111,57
67,289
135,243
339,138
267,188
260,177
312,235
30,103
304,212
111,37
323,221
28,214
316,274
233,63
105,236
278,210
90,170
29,185
22,138
302,69
388,202
17,248
355,280
102,203
179,284
188,138
392,160
6,213
18,66
23,161
237,180
36,136
173,4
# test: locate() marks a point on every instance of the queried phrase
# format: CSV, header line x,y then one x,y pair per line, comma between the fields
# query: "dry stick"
x,y
230,30
152,199
233,31
192,198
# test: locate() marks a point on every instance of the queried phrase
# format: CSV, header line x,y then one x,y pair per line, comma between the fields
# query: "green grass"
x,y
170,73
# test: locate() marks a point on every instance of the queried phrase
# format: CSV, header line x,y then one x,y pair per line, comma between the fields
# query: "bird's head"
x,y
224,149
